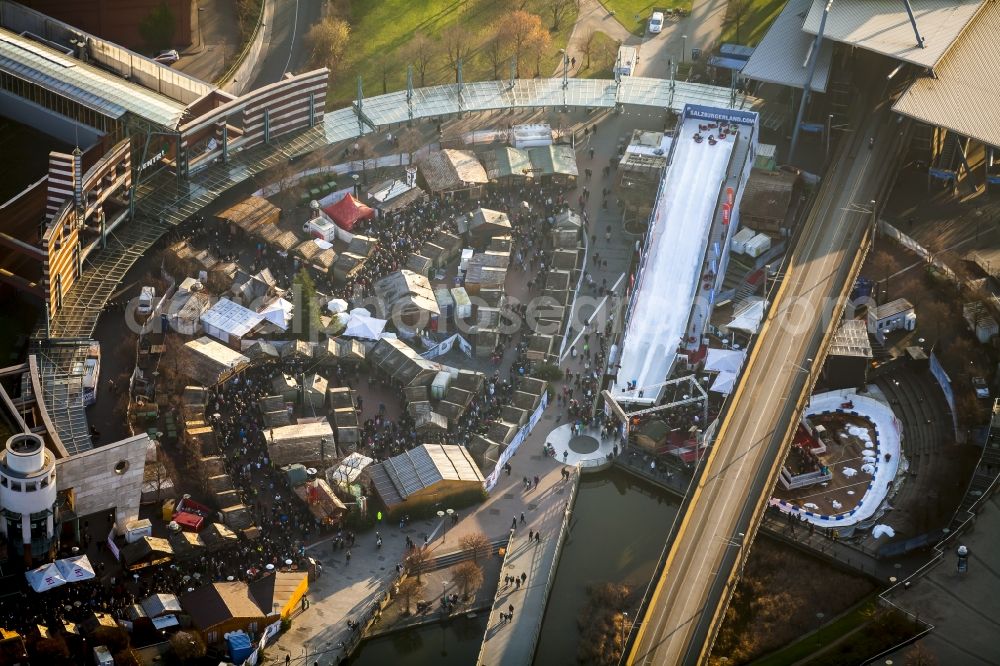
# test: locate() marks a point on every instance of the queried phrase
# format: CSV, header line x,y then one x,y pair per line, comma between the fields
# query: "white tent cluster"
x,y
726,362
60,572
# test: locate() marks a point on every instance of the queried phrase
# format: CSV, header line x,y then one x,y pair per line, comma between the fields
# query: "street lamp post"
x,y
684,41
356,178
441,515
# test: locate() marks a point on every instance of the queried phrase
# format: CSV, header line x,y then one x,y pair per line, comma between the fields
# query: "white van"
x,y
102,656
146,297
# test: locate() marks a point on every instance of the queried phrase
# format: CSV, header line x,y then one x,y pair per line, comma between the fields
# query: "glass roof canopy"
x,y
394,108
89,86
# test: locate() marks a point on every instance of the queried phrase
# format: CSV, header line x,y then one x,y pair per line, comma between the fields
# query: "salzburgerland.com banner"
x,y
515,443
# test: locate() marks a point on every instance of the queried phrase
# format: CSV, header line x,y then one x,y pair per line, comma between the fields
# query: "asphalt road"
x,y
285,48
708,549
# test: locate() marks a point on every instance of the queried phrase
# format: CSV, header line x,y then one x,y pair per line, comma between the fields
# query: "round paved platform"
x,y
584,444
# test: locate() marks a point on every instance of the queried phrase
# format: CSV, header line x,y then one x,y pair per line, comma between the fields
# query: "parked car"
x,y
656,22
982,390
168,57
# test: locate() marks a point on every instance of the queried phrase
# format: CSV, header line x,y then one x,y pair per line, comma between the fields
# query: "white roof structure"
x,y
231,318
724,383
349,470
883,26
963,97
101,91
672,260
782,56
216,351
45,577
724,360
748,316
74,569
278,313
367,328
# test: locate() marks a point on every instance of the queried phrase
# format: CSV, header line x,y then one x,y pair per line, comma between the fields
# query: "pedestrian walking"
x,y
522,517
524,577
513,524
348,557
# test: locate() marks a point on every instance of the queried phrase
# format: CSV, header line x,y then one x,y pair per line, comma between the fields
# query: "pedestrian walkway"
x,y
518,610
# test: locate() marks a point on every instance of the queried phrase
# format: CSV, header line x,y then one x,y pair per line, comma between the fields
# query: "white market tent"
x,y
45,577
748,317
724,360
360,326
337,305
74,569
228,319
724,383
278,313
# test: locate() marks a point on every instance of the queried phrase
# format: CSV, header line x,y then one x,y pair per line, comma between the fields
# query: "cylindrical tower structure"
x,y
28,497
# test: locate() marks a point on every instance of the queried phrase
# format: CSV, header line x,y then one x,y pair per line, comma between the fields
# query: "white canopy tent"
x,y
278,313
724,383
367,328
75,569
45,577
747,318
724,360
337,305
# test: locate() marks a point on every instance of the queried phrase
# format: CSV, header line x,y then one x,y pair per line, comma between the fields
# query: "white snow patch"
x,y
849,472
879,530
868,468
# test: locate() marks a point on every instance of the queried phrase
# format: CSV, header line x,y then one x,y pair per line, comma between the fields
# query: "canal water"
x,y
619,527
455,643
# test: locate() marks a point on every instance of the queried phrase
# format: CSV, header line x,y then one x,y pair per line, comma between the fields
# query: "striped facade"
x,y
83,207
294,103
62,177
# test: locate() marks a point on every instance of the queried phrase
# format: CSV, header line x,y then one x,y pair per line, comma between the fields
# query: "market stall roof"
x,y
348,211
485,222
231,318
748,316
404,289
261,348
278,313
555,159
506,162
724,382
74,569
399,477
316,251
45,577
147,550
366,328
251,213
160,604
447,170
349,469
214,604
276,590
395,194
724,360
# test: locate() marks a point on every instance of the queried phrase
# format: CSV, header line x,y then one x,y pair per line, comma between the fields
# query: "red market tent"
x,y
346,212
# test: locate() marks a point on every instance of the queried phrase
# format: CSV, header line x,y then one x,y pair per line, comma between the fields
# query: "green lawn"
x,y
826,635
634,14
755,24
381,30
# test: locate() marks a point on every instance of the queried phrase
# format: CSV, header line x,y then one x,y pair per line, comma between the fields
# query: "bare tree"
x,y
468,576
496,48
383,65
457,43
327,42
558,9
737,11
919,655
588,46
410,140
478,543
421,53
187,646
407,589
416,560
